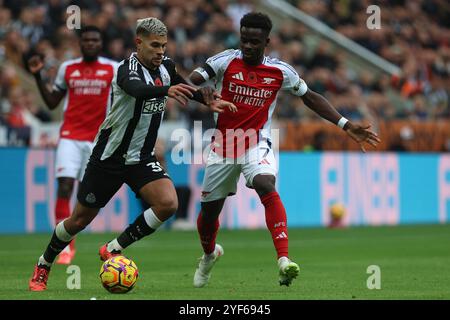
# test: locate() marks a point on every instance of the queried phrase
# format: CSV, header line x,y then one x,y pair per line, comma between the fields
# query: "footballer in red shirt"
x,y
242,141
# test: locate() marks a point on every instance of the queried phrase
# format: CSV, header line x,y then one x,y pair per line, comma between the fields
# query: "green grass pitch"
x,y
414,263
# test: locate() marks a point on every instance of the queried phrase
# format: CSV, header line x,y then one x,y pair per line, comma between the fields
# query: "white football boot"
x,y
289,270
203,272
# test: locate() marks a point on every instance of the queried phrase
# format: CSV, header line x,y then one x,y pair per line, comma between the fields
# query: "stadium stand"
x,y
411,110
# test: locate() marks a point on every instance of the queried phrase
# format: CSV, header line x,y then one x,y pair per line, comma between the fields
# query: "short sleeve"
x,y
292,81
115,66
215,66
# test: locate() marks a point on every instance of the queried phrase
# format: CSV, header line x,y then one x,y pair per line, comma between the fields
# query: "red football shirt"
x,y
87,86
253,89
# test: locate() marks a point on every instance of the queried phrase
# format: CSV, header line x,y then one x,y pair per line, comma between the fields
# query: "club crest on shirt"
x,y
268,80
165,78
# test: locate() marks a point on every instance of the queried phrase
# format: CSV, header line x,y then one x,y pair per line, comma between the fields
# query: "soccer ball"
x,y
337,211
119,274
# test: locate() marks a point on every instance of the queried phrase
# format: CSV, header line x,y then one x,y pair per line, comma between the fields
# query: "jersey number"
x,y
156,166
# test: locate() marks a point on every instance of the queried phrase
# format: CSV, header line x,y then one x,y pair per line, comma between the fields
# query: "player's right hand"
x,y
35,64
181,92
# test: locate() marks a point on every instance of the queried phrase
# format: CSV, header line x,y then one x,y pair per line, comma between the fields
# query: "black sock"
x,y
184,194
135,231
54,248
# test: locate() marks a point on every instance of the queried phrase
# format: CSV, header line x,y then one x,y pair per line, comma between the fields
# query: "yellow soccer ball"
x,y
119,274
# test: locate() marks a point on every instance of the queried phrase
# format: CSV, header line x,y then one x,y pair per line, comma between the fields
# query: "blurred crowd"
x,y
414,35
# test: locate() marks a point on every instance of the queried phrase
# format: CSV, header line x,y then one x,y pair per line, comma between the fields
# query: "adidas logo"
x,y
282,235
264,161
238,76
76,73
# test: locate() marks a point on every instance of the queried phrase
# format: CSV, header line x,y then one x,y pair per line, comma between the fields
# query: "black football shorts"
x,y
101,182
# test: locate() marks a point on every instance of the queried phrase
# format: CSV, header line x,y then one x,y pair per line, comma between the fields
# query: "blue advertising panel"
x,y
375,189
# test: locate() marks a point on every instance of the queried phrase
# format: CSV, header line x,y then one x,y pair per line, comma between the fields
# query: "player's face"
x,y
253,43
91,45
150,49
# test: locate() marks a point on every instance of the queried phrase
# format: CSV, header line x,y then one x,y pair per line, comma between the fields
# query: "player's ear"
x,y
267,41
137,40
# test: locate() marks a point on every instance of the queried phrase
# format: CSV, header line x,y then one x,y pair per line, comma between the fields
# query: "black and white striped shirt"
x,y
139,97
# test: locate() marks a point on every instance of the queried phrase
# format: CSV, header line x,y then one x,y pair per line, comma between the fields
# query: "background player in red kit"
x,y
85,83
252,81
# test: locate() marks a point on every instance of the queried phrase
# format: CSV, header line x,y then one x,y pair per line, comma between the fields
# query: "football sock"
x,y
70,247
276,222
114,246
144,225
208,232
43,262
62,209
62,212
60,239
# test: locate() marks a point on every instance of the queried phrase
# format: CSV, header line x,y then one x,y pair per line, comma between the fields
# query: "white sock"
x,y
151,219
44,262
114,245
61,232
283,260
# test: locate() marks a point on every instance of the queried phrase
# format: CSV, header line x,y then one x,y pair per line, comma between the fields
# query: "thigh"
x,y
137,176
98,186
69,159
159,193
220,179
259,160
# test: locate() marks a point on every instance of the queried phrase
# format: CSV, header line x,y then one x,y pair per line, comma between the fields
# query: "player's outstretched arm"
x,y
320,105
214,101
51,98
207,95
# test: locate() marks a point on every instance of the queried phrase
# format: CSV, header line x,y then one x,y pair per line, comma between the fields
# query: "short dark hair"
x,y
257,20
89,29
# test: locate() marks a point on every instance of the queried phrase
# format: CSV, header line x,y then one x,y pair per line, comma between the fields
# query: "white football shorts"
x,y
221,176
72,157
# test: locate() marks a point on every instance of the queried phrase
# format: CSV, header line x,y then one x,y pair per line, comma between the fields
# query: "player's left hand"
x,y
362,134
220,105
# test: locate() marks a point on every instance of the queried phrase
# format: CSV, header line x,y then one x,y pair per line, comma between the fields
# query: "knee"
x,y
167,205
65,188
264,184
211,210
